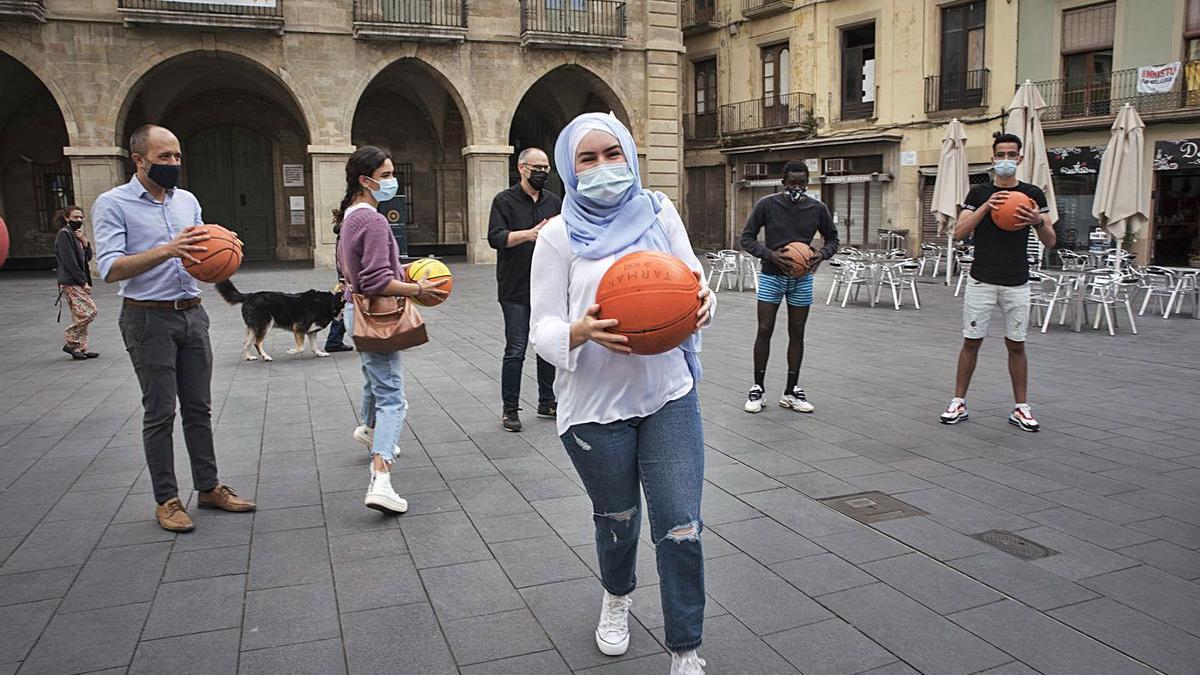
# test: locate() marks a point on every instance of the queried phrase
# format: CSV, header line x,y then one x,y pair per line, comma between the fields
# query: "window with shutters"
x,y
776,67
1087,56
705,98
858,72
962,75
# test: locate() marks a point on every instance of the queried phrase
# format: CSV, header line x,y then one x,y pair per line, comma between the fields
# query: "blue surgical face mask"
x,y
1005,168
387,189
606,183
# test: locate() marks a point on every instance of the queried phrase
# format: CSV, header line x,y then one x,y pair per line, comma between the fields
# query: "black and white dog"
x,y
305,314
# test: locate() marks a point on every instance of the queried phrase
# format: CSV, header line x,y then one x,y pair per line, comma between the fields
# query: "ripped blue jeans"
x,y
663,455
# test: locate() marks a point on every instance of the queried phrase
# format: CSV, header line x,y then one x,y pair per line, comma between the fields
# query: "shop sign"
x,y
1174,155
1075,161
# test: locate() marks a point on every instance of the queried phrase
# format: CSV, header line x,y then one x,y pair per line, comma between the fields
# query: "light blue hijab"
x,y
597,231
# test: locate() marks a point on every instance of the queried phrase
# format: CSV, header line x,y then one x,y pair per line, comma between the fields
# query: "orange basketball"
x,y
1005,216
220,261
3,242
654,297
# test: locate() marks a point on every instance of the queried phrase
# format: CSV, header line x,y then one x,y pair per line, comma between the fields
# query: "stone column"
x,y
487,175
94,171
328,188
664,49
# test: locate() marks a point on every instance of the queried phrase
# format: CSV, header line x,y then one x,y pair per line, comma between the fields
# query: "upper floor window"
x,y
962,79
1087,57
705,88
858,72
1191,31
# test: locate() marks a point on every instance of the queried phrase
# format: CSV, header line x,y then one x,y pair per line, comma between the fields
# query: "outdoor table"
x,y
1184,274
1078,291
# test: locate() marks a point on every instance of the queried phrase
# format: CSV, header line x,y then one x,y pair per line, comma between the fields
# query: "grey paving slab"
x,y
862,545
195,606
1090,529
117,576
1153,592
22,587
378,640
1148,640
829,648
20,627
211,562
495,636
1168,557
547,662
373,583
1042,643
469,589
214,652
647,607
442,539
55,544
1076,558
820,574
916,634
289,558
322,657
1021,579
289,615
91,640
567,611
803,515
1170,530
738,479
766,540
758,597
932,583
932,538
532,562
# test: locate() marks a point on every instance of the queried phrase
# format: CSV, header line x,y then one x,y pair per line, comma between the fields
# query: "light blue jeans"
x,y
383,404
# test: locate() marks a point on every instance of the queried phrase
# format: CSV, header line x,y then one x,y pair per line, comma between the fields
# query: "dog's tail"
x,y
230,292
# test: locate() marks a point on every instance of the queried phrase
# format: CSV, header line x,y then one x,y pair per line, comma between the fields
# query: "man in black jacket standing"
x,y
518,214
73,252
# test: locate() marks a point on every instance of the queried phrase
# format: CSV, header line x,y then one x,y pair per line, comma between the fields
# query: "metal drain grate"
x,y
1014,544
872,507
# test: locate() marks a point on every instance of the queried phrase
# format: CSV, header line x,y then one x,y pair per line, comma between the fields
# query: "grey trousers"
x,y
172,357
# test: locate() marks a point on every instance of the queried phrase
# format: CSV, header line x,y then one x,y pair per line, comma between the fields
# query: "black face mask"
x,y
166,176
75,224
537,179
793,193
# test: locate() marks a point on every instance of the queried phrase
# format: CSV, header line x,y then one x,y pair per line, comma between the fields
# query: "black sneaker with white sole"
x,y
511,420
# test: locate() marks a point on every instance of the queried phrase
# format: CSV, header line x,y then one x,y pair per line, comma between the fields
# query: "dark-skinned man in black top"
x,y
787,217
518,214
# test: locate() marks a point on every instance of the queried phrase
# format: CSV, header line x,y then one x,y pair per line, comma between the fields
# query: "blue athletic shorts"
x,y
773,288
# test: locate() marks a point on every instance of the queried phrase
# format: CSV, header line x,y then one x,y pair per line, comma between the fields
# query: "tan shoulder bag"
x,y
386,324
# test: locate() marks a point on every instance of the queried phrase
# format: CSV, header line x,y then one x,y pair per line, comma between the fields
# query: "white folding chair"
x,y
1107,293
964,271
720,264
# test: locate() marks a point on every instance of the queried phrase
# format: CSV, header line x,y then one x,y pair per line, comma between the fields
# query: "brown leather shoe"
x,y
172,517
224,498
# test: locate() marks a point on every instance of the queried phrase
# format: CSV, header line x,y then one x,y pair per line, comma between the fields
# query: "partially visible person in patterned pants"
x,y
73,252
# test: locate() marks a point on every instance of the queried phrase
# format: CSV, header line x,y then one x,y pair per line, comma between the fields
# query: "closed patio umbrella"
x,y
950,187
1025,120
1122,202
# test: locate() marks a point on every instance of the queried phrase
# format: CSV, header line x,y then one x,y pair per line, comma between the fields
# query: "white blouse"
x,y
592,383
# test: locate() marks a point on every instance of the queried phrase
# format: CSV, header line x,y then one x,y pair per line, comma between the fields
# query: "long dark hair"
x,y
60,216
362,162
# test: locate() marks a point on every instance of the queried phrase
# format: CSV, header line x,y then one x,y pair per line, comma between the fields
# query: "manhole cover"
x,y
872,507
1014,544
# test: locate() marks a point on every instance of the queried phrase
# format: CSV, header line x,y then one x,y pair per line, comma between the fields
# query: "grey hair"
x,y
526,152
139,140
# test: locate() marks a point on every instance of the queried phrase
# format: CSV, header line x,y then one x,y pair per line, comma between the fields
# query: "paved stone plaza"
x,y
493,570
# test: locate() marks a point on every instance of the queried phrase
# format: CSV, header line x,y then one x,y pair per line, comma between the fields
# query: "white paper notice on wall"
x,y
296,202
293,175
908,158
1157,79
298,218
868,73
814,165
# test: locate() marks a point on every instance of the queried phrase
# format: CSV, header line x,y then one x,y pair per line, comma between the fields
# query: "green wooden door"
x,y
229,170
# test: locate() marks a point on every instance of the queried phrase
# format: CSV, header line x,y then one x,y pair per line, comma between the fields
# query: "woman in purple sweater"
x,y
370,261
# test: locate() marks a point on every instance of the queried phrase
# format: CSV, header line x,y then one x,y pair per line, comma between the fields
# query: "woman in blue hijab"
x,y
630,423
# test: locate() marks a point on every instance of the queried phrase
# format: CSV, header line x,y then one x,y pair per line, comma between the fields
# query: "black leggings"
x,y
797,319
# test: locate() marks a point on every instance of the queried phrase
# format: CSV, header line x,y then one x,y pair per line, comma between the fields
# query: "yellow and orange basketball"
x,y
432,269
222,258
654,296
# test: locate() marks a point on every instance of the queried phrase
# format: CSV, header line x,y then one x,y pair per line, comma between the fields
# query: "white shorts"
x,y
981,298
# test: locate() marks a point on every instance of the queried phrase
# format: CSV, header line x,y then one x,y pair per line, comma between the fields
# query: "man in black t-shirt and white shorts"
x,y
999,278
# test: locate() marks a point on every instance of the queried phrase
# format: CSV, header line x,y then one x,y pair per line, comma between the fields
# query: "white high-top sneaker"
x,y
612,632
381,496
687,663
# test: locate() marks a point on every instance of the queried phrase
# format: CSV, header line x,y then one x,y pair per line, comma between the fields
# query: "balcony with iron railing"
x,y
573,24
770,113
956,91
266,15
701,127
23,10
411,20
699,16
754,9
1100,96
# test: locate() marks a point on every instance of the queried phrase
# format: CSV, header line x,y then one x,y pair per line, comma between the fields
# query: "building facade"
x,y
1089,58
859,89
270,97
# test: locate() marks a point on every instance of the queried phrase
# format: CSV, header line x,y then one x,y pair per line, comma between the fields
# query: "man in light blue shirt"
x,y
144,231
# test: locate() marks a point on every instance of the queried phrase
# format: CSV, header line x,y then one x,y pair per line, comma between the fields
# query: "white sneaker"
x,y
381,496
612,632
1022,417
956,412
687,663
796,400
366,435
754,400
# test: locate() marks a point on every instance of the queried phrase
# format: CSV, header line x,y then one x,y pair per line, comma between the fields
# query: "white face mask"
x,y
1005,168
605,184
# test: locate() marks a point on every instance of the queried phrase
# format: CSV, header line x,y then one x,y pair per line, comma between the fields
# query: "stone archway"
x,y
35,177
244,141
414,115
